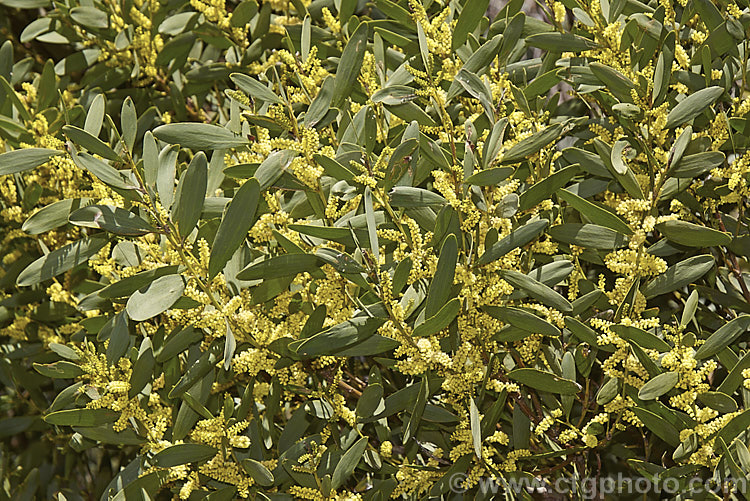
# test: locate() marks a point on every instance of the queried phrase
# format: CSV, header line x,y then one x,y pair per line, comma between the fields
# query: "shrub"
x,y
349,250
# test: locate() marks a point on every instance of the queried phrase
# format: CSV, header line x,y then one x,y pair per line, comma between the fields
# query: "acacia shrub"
x,y
347,250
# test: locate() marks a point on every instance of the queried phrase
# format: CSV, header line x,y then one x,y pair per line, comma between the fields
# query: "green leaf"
x,y
691,166
165,176
371,226
642,338
440,320
522,319
542,84
91,143
25,159
692,106
338,337
478,90
349,65
590,162
590,236
340,235
622,173
734,379
341,261
432,152
584,302
532,144
679,148
723,337
743,453
478,62
64,351
489,177
644,359
95,116
661,427
475,427
62,369
258,472
155,298
107,435
417,410
693,235
371,402
176,455
129,123
737,425
142,369
102,170
546,187
518,238
333,168
399,162
544,381
191,191
581,331
615,82
718,401
619,165
608,391
409,112
407,196
442,281
237,221
205,364
128,285
15,100
322,102
51,216
373,345
61,260
348,462
280,266
447,482
273,167
90,17
81,417
686,447
594,213
424,49
112,219
658,386
691,305
199,136
394,95
468,20
255,89
679,275
537,290
150,160
177,343
117,332
555,42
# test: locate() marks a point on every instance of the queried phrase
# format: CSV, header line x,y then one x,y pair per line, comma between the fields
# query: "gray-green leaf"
x,y
25,159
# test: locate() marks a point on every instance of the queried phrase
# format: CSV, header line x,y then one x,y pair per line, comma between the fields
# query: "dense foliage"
x,y
346,250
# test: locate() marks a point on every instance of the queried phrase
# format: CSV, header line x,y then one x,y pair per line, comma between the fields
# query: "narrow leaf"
x,y
155,298
237,221
692,106
25,159
544,381
61,260
191,191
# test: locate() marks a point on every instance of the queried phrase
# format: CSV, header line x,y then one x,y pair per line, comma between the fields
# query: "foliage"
x,y
345,250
